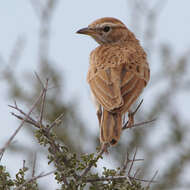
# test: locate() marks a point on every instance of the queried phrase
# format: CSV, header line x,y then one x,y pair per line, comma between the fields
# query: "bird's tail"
x,y
111,126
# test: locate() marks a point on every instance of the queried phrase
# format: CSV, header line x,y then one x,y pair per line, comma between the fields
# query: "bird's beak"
x,y
86,31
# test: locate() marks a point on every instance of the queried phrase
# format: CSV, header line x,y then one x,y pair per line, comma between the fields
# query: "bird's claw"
x,y
131,115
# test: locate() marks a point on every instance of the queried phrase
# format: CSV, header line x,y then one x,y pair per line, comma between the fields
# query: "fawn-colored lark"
x,y
117,74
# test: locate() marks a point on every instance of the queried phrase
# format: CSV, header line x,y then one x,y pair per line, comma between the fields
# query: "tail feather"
x,y
111,125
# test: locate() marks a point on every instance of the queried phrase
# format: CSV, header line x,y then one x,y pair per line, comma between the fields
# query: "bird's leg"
x,y
99,114
98,108
131,115
130,121
104,148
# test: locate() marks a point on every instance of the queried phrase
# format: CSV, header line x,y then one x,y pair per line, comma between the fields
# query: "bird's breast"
x,y
112,56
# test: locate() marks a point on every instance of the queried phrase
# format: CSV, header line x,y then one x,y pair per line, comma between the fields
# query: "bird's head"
x,y
107,30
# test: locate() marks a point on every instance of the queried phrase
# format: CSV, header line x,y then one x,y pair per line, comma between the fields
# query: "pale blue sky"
x,y
71,51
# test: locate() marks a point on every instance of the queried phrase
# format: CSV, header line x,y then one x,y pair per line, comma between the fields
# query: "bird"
x,y
117,74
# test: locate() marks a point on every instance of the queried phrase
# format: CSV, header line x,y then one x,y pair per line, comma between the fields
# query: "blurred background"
x,y
39,36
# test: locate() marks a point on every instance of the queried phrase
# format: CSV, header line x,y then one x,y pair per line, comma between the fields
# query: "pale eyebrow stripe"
x,y
110,24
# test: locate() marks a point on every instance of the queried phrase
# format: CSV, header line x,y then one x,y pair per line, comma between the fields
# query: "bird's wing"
x,y
116,77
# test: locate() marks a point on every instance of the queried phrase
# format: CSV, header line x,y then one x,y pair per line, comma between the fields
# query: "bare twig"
x,y
26,120
126,162
39,80
138,124
137,108
55,148
34,165
56,122
27,117
131,166
33,179
152,179
131,115
143,180
137,171
43,102
113,178
15,103
21,125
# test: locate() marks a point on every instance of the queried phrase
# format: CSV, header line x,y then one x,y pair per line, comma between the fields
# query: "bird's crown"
x,y
106,21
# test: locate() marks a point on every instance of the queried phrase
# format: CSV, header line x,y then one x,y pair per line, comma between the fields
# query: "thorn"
x,y
138,107
131,166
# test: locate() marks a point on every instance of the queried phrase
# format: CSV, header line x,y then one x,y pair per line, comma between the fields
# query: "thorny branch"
x,y
20,126
56,122
43,102
153,177
121,175
131,166
92,163
130,123
138,124
126,162
32,121
55,147
131,116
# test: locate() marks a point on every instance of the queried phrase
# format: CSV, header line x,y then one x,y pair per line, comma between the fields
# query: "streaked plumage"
x,y
117,74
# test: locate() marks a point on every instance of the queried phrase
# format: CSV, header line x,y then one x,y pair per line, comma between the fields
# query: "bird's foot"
x,y
104,148
131,115
99,115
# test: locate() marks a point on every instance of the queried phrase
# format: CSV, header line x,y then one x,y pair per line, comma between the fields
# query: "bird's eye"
x,y
106,29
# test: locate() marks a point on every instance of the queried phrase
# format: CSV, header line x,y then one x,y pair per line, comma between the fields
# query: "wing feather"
x,y
116,85
107,93
132,95
129,86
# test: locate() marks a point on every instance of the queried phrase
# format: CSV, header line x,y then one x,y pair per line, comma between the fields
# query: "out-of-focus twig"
x,y
21,125
56,122
131,166
34,165
43,102
152,179
126,162
138,124
116,178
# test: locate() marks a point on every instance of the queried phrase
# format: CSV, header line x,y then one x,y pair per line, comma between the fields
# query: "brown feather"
x,y
111,127
117,74
116,85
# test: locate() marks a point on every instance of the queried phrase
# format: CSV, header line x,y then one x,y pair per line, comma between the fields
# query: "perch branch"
x,y
138,124
113,178
92,163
